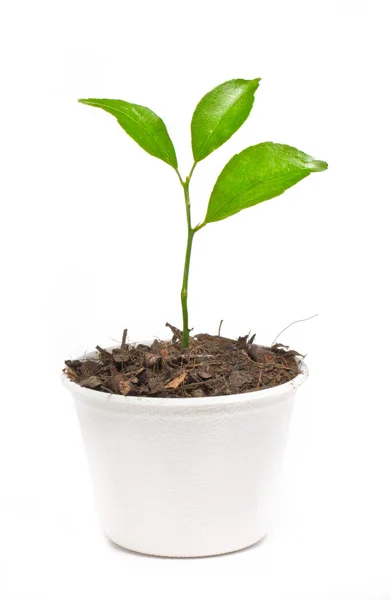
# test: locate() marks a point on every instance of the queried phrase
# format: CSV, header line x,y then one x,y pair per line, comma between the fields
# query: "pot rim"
x,y
267,394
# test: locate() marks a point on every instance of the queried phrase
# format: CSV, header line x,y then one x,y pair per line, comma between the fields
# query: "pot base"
x,y
205,554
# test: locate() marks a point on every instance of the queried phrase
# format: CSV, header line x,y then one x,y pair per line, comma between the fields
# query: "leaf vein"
x,y
257,183
223,116
118,110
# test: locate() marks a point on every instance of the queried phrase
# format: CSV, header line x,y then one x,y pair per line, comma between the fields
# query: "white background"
x,y
93,237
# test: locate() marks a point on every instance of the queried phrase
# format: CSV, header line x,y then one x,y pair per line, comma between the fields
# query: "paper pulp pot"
x,y
186,476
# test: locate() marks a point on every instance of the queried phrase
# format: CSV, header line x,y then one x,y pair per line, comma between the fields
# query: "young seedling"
x,y
256,174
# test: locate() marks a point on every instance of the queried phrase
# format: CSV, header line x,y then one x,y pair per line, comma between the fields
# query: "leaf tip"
x,y
254,84
320,165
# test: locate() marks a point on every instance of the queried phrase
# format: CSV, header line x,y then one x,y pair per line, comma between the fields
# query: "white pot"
x,y
185,477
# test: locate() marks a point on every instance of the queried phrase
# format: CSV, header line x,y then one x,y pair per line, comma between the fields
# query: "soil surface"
x,y
211,366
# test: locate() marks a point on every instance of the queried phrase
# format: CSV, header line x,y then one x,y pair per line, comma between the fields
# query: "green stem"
x,y
185,282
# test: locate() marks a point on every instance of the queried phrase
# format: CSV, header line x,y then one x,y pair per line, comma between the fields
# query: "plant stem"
x,y
185,282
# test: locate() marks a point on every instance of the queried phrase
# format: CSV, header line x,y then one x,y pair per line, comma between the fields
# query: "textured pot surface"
x,y
189,476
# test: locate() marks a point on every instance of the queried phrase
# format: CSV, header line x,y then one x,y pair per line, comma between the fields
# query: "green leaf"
x,y
220,113
142,124
258,173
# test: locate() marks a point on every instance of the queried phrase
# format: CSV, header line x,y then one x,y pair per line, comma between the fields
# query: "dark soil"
x,y
211,366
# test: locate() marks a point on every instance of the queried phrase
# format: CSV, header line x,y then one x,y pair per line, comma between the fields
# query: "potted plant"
x,y
185,437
